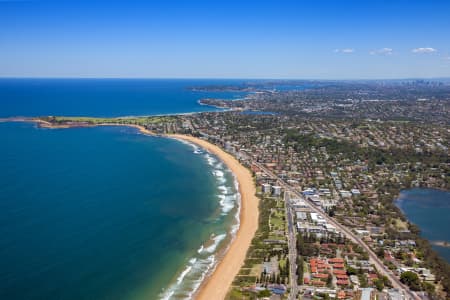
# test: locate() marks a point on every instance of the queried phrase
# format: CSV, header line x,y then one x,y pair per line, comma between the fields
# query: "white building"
x,y
266,188
301,215
355,192
345,194
276,190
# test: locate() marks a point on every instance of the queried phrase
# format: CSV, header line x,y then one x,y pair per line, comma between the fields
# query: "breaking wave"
x,y
205,259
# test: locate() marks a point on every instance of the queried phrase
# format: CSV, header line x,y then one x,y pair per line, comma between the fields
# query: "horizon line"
x,y
227,78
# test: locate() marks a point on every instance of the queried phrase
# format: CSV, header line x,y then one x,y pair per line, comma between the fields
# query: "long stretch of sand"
x,y
217,285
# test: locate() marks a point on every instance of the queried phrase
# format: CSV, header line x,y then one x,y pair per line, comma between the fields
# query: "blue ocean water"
x,y
105,97
107,213
429,209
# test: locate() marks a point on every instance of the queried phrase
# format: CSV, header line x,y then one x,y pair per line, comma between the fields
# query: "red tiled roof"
x,y
339,266
342,282
335,260
318,282
339,272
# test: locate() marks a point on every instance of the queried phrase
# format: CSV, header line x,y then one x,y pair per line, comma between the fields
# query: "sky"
x,y
304,39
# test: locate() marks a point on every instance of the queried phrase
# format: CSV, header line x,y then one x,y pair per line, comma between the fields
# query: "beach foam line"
x,y
211,259
218,283
218,173
190,279
227,202
216,241
211,160
223,188
205,259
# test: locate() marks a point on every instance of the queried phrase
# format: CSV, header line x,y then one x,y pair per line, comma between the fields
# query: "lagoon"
x,y
430,210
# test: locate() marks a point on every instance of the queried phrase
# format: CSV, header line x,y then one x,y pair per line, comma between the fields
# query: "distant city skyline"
x,y
226,39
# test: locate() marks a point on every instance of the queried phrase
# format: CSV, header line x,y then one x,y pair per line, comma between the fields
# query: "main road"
x,y
373,258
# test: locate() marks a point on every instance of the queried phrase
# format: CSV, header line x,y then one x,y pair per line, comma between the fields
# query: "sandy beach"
x,y
218,284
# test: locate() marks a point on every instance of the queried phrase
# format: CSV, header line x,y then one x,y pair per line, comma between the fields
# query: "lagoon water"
x,y
106,213
430,210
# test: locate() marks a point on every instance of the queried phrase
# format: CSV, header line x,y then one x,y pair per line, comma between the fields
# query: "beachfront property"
x,y
352,188
266,188
276,190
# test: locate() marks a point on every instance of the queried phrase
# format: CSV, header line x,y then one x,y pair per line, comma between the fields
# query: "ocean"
x,y
106,212
429,209
106,97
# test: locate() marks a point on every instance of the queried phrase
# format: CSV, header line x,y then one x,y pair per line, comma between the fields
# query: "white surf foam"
x,y
210,262
183,274
223,189
218,173
216,241
227,203
205,261
211,160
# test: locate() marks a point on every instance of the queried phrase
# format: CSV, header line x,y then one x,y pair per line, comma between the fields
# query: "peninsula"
x,y
217,284
327,175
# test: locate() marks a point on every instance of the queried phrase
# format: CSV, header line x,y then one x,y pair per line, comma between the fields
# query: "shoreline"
x,y
443,244
216,285
433,257
45,124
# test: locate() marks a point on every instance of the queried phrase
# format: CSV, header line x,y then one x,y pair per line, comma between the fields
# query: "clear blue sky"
x,y
225,39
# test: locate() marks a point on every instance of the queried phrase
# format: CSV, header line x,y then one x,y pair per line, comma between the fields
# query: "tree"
x,y
380,252
299,270
330,280
332,211
264,293
379,284
351,271
428,287
411,279
363,280
386,281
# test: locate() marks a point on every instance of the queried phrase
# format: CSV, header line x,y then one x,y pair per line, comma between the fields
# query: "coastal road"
x,y
292,246
373,258
292,239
